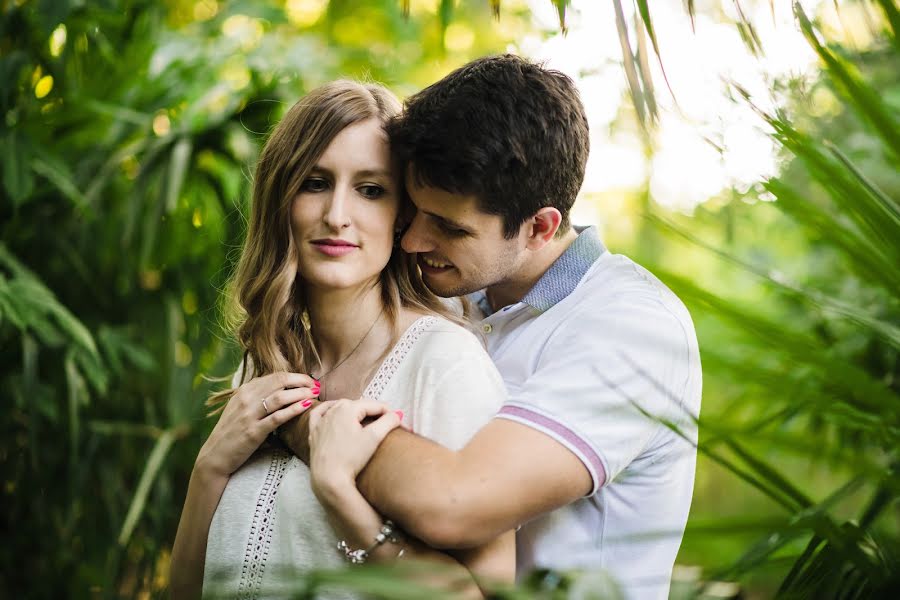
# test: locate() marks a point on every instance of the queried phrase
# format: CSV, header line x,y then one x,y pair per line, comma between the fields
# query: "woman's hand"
x,y
340,445
255,410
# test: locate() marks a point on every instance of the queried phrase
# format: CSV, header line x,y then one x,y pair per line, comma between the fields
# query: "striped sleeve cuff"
x,y
562,434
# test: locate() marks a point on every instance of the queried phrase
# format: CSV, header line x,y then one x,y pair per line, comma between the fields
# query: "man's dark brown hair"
x,y
503,129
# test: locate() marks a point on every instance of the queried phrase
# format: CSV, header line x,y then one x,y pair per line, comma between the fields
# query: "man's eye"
x,y
314,184
454,231
371,192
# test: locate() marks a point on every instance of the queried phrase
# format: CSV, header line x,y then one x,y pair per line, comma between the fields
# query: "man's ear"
x,y
542,226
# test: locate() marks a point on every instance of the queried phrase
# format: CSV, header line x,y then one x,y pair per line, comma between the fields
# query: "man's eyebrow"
x,y
446,221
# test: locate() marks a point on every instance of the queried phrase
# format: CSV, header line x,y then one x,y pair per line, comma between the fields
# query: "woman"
x,y
324,289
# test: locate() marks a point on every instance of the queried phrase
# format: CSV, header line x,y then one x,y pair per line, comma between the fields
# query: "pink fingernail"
x,y
399,414
306,403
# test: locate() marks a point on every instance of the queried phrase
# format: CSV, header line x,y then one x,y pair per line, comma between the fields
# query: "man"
x,y
593,453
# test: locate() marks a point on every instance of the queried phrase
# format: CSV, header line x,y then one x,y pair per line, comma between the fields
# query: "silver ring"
x,y
265,407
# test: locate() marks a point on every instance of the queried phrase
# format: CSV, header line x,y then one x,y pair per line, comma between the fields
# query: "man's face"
x,y
460,248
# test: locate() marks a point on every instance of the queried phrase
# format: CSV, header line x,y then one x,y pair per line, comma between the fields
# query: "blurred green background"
x,y
129,133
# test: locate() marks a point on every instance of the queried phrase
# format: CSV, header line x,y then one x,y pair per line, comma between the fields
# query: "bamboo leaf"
x,y
887,206
644,10
58,174
18,179
747,31
644,69
691,12
851,383
867,259
893,18
887,331
561,8
77,396
445,16
767,472
151,470
42,301
634,86
862,97
178,166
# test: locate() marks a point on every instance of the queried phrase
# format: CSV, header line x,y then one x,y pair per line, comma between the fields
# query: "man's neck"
x,y
514,288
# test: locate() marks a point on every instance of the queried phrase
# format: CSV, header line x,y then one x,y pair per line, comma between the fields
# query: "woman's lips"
x,y
334,249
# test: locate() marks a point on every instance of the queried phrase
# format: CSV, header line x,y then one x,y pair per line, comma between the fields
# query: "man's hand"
x,y
295,433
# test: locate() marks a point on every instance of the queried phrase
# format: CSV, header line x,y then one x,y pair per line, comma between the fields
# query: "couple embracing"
x,y
437,364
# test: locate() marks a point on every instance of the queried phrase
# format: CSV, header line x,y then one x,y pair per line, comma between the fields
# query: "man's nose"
x,y
415,238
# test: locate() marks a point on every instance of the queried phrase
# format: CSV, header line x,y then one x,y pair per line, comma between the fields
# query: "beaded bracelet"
x,y
358,557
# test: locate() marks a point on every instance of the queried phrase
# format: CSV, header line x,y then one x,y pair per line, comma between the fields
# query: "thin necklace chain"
x,y
355,348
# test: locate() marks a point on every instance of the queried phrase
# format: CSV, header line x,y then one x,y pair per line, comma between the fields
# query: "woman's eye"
x,y
371,191
314,184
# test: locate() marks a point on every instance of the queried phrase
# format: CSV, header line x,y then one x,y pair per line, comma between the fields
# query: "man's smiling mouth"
x,y
433,263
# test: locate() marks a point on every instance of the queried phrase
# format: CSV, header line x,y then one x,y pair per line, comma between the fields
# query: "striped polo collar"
x,y
566,272
561,278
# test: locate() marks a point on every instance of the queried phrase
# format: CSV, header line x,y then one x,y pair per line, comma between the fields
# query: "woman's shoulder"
x,y
440,329
434,339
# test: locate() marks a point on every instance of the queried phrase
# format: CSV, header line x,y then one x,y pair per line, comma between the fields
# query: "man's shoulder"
x,y
619,301
617,286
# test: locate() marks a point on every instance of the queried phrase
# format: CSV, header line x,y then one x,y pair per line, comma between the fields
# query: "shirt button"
x,y
487,328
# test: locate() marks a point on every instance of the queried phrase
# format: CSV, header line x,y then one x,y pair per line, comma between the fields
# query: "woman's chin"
x,y
326,282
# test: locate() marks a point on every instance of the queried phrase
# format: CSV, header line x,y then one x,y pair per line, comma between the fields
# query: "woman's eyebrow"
x,y
372,172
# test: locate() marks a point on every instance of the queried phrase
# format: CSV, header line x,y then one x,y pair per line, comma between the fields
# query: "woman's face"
x,y
343,218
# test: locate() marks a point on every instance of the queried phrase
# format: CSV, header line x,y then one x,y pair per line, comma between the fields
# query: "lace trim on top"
x,y
391,364
261,528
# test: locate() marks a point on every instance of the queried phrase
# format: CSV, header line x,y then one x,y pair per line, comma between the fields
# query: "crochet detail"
x,y
257,551
391,364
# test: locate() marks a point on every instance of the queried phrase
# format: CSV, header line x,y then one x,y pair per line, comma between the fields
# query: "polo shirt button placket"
x,y
487,328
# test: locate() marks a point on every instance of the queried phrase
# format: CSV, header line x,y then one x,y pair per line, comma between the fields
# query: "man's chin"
x,y
448,290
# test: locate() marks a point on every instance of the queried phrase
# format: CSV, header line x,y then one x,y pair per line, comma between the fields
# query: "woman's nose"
x,y
337,214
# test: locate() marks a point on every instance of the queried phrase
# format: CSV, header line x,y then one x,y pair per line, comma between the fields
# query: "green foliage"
x,y
813,354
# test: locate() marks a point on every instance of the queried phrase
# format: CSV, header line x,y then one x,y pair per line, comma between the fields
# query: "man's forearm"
x,y
406,480
463,499
412,480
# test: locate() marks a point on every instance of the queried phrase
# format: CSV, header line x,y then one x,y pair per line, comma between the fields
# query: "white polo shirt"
x,y
603,358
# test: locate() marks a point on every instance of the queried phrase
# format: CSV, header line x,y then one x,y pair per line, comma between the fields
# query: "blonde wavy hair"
x,y
265,301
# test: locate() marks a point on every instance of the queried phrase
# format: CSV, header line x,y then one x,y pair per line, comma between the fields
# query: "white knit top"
x,y
269,523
